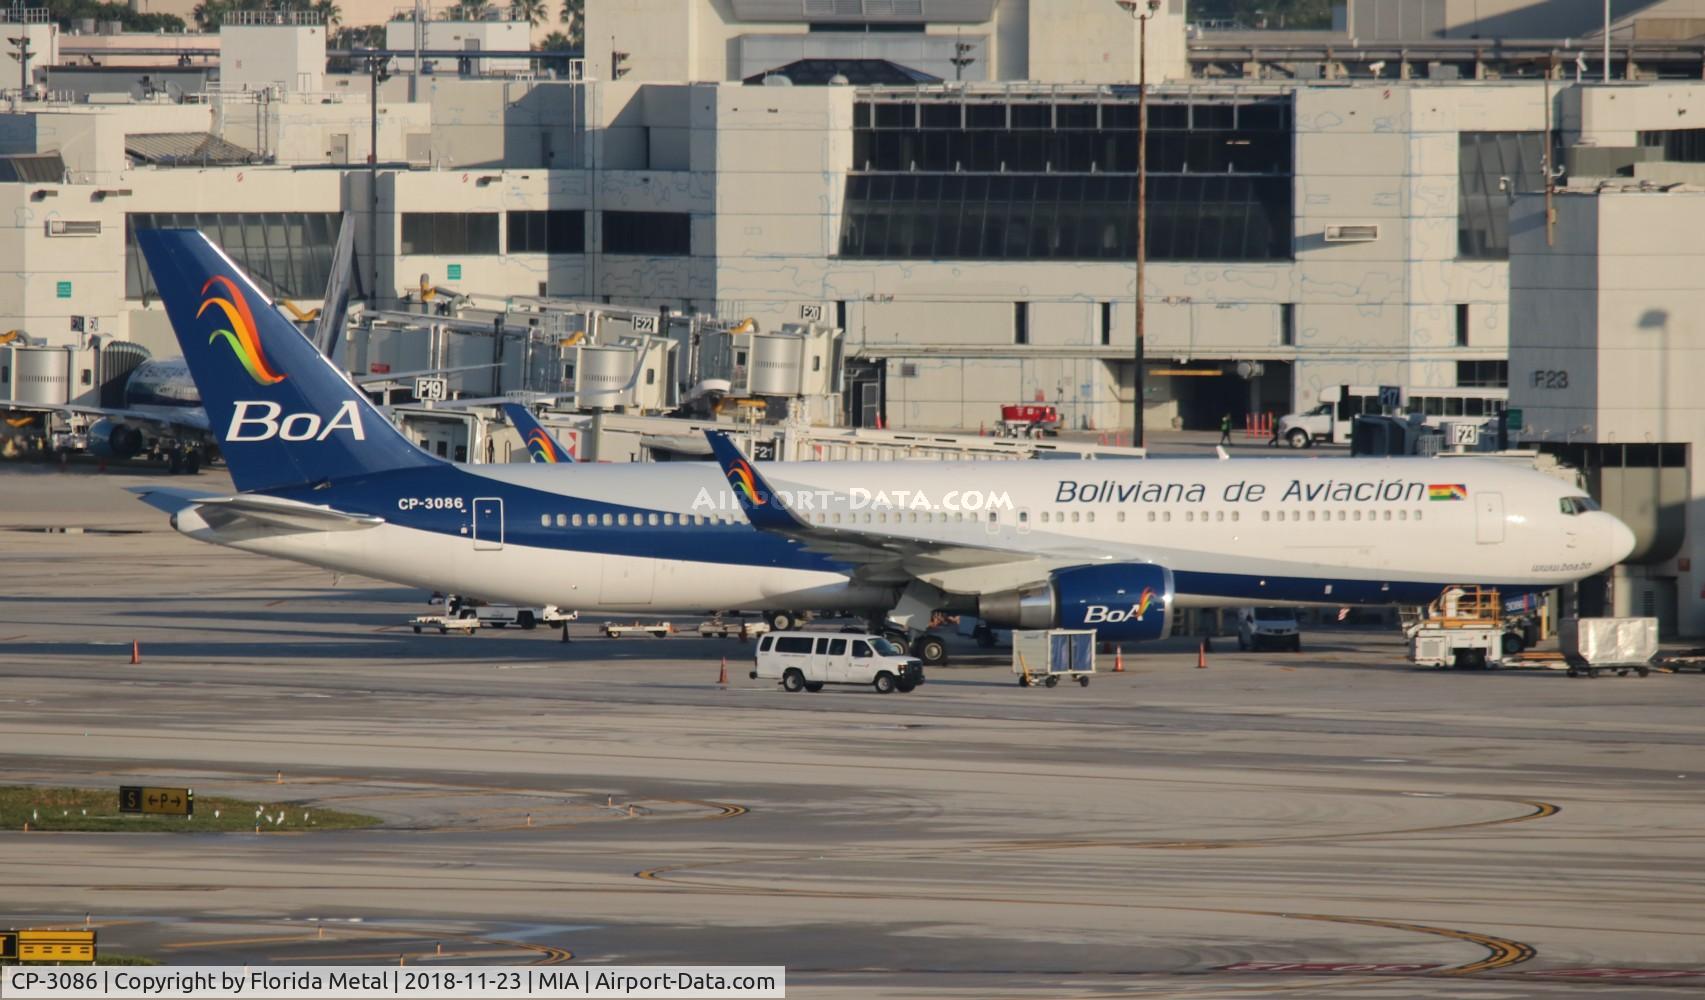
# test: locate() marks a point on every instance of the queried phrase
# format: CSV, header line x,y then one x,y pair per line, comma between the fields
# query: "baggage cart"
x,y
1625,645
1044,657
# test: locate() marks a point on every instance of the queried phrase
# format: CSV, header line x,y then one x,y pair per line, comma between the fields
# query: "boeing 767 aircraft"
x,y
324,479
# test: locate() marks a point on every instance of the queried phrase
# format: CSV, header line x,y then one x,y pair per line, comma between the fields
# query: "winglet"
x,y
764,507
540,443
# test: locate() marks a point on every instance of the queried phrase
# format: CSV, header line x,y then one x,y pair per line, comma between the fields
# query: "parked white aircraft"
x,y
326,480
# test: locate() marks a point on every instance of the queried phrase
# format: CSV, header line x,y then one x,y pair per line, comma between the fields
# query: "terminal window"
x,y
1482,374
441,233
555,231
288,254
655,234
1020,180
1493,168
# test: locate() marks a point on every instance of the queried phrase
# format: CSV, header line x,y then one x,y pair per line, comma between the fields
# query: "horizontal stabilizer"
x,y
281,513
167,498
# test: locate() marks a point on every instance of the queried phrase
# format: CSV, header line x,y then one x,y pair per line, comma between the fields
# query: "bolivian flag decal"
x,y
1447,491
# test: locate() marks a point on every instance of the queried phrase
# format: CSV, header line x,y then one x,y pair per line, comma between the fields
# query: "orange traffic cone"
x,y
1202,655
1118,659
135,651
722,675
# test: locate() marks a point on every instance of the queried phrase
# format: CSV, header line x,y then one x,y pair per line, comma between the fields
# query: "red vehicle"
x,y
1029,419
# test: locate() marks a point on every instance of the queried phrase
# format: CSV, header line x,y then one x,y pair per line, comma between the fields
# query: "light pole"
x,y
377,74
1142,11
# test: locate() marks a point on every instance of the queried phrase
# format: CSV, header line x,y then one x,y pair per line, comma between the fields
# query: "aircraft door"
x,y
1489,518
488,524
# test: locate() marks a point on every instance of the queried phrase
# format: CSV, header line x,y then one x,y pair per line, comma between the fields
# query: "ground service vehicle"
x,y
742,630
1276,627
805,661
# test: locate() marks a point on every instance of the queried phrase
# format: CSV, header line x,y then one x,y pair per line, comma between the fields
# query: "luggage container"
x,y
1619,644
1045,656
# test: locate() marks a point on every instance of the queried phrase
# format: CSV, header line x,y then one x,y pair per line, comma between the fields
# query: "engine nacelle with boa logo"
x,y
1129,602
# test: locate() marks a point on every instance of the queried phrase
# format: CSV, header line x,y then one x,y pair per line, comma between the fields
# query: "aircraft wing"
x,y
995,562
179,418
254,510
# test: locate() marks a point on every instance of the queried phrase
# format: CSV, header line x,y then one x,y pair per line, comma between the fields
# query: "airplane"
x,y
324,479
540,444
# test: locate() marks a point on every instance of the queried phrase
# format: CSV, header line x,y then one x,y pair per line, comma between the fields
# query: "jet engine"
x,y
110,439
1122,601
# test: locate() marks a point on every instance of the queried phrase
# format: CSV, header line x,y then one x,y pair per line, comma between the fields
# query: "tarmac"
x,y
1330,822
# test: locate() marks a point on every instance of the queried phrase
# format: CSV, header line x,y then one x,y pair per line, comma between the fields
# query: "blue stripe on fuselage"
x,y
378,494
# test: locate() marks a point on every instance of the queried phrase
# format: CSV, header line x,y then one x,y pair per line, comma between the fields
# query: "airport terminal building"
x,y
974,238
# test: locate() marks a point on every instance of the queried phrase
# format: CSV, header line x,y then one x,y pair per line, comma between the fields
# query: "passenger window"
x,y
1166,516
861,649
1074,517
606,520
1388,515
1234,515
1151,515
1266,515
1417,515
1090,517
837,647
1044,517
1357,516
1023,517
1311,515
544,520
1121,517
1341,515
765,643
793,644
994,516
622,519
651,519
1403,515
1189,515
822,646
1219,515
575,520
562,520
669,519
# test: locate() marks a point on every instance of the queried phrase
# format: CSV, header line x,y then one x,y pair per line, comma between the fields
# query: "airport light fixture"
x,y
1141,11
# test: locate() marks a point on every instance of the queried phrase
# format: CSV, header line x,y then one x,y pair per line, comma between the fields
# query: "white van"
x,y
805,661
1278,627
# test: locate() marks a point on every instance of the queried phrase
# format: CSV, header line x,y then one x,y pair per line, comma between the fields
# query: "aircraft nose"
x,y
1619,540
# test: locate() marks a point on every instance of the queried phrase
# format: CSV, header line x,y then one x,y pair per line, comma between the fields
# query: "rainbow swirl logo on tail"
x,y
242,335
539,443
1143,604
740,477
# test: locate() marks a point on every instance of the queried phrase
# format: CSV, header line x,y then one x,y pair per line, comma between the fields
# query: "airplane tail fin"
x,y
764,507
284,415
540,443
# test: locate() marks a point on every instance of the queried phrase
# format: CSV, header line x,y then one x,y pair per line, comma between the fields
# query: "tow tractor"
x,y
1465,627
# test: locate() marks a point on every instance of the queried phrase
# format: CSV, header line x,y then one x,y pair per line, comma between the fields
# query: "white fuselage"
x,y
1284,530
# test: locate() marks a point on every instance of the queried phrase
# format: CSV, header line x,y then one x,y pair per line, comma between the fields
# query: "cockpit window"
x,y
1577,505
